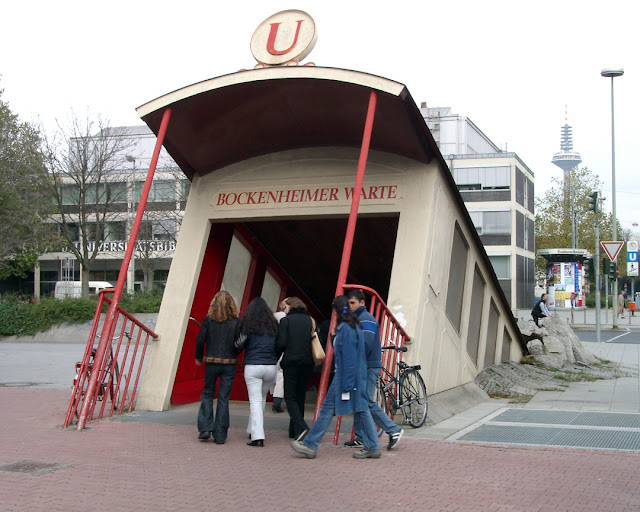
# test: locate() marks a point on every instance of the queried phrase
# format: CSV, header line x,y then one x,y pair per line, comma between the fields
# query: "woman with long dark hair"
x,y
348,391
218,332
294,339
261,328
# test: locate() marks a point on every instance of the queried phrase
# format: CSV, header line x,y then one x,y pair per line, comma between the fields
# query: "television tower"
x,y
567,159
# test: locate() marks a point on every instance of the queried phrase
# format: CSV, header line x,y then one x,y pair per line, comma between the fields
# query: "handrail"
x,y
390,330
116,370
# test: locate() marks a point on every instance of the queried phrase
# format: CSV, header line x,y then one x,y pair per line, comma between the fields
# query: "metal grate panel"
x,y
555,436
591,419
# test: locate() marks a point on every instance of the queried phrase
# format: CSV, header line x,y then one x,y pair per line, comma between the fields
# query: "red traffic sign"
x,y
612,249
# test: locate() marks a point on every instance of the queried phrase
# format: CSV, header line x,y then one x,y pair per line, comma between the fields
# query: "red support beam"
x,y
109,323
348,241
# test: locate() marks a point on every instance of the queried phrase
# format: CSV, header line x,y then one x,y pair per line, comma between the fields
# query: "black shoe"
x,y
257,442
204,436
217,441
354,444
302,435
277,409
394,439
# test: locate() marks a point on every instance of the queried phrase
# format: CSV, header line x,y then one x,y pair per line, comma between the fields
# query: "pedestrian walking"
x,y
294,340
348,391
371,332
277,390
621,297
217,334
260,328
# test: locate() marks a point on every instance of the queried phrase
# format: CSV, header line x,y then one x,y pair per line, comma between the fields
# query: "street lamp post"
x,y
612,73
131,202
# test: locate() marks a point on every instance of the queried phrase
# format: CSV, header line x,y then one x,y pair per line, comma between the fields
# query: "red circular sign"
x,y
284,38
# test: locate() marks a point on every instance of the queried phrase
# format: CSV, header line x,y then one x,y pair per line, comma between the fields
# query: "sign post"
x,y
613,249
632,258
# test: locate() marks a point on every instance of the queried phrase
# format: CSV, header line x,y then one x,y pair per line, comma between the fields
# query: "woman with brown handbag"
x,y
294,340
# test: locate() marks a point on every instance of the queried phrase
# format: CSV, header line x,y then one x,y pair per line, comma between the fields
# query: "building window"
x,y
482,178
475,314
491,222
117,191
158,229
457,271
185,187
492,335
116,231
501,266
70,194
160,192
506,346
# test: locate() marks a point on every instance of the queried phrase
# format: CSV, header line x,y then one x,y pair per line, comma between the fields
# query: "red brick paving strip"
x,y
122,466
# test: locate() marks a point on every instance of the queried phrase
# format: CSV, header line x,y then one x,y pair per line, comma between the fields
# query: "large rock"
x,y
559,345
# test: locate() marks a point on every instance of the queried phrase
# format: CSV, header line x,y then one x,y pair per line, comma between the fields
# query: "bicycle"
x,y
111,375
406,392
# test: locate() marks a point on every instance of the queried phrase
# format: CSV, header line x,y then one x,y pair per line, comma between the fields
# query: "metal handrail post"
x,y
348,242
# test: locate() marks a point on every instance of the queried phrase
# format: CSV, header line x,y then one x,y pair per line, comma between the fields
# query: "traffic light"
x,y
613,271
589,271
593,201
606,264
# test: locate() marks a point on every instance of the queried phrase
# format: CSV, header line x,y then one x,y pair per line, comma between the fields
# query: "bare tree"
x,y
85,161
161,222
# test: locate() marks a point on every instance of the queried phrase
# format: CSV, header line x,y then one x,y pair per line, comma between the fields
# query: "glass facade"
x,y
482,178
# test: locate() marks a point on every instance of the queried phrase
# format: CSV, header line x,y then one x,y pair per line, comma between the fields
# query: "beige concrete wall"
x,y
419,275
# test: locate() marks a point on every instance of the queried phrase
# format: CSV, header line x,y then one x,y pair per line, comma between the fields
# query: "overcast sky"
x,y
508,66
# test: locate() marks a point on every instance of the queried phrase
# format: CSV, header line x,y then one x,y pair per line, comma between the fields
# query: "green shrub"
x,y
20,316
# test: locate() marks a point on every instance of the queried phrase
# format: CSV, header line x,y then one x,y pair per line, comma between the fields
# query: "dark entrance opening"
x,y
303,255
309,251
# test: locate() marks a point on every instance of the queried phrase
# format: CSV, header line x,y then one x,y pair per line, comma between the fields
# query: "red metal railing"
x,y
390,330
94,386
118,372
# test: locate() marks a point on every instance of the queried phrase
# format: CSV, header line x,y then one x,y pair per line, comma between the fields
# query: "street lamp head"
x,y
612,73
130,158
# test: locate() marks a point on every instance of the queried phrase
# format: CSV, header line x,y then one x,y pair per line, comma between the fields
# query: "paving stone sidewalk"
x,y
122,466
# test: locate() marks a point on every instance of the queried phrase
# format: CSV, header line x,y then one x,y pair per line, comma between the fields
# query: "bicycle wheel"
x,y
382,399
413,398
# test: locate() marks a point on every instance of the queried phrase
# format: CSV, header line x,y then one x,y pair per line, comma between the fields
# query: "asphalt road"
x,y
623,335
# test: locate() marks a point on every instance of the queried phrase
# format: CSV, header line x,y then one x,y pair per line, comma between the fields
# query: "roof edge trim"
x,y
272,73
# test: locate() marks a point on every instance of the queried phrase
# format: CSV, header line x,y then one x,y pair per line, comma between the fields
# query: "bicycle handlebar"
x,y
393,347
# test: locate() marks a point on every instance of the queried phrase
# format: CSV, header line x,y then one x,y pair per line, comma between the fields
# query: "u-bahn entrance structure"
x,y
283,160
273,156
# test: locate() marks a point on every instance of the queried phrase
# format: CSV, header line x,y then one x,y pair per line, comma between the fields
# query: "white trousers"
x,y
259,378
277,388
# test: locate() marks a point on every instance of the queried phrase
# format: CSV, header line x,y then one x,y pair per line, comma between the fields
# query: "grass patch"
x,y
580,376
514,398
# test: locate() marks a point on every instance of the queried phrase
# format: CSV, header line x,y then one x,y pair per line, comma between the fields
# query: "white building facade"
x,y
158,232
498,190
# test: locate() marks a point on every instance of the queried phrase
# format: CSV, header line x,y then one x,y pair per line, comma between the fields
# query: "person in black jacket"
x,y
218,332
261,328
294,339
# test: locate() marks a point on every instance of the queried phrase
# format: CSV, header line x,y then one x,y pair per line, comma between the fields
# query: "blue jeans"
x,y
377,413
226,374
327,412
